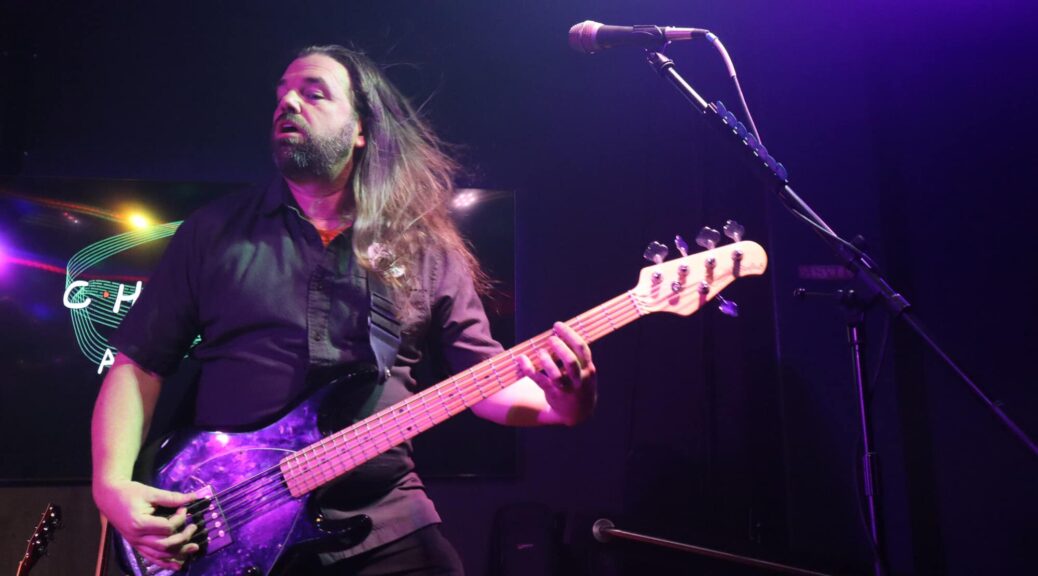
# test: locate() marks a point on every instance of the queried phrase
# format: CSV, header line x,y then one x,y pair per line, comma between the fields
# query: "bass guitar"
x,y
254,487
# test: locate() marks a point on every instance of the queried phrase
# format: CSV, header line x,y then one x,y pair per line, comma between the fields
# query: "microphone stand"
x,y
775,176
604,531
855,259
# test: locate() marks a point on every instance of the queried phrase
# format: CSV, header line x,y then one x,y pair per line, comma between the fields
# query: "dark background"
x,y
910,123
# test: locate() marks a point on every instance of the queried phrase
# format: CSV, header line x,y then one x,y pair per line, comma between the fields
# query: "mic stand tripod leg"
x,y
854,307
604,531
870,484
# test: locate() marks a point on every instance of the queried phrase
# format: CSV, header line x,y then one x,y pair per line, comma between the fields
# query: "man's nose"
x,y
289,103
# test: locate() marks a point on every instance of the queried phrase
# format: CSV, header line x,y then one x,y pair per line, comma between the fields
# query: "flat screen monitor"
x,y
73,255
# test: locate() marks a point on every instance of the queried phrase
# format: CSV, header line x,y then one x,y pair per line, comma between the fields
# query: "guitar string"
x,y
246,515
248,487
592,330
392,436
602,324
275,497
260,490
230,499
240,490
589,328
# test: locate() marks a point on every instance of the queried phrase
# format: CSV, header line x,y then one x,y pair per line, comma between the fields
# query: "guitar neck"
x,y
680,286
326,460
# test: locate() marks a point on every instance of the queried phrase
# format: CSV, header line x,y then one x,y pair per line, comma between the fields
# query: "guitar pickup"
x,y
212,524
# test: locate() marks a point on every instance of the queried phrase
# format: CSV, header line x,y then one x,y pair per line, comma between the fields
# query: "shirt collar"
x,y
276,196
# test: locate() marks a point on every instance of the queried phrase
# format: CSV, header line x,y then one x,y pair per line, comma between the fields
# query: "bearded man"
x,y
280,284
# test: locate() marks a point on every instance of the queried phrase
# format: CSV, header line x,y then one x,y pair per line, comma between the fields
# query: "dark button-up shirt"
x,y
274,305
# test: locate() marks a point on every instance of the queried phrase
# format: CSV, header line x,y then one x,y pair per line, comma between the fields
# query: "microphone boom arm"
x,y
776,177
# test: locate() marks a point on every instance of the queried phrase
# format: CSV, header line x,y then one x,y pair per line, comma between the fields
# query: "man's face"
x,y
315,125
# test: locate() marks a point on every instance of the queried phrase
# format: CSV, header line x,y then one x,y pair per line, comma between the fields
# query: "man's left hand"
x,y
567,375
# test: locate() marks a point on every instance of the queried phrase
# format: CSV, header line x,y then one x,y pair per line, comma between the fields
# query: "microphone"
x,y
589,37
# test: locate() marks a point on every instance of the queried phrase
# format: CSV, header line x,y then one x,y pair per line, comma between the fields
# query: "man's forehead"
x,y
316,67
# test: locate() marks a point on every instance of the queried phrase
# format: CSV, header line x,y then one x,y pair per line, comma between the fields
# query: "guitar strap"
x,y
383,326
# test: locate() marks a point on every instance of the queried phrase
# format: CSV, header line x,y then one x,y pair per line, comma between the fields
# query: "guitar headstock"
x,y
683,285
49,523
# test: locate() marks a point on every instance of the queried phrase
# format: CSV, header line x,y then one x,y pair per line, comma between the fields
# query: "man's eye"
x,y
315,95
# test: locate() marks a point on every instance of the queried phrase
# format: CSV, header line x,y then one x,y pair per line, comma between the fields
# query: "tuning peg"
x,y
727,307
734,230
708,238
681,245
655,252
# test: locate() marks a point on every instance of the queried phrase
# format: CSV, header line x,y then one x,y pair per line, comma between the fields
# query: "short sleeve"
x,y
158,330
457,311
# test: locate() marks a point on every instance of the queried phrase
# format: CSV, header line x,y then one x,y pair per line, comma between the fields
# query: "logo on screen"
x,y
98,306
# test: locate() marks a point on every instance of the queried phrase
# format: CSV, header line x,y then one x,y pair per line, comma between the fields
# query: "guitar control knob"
x,y
708,238
655,252
734,230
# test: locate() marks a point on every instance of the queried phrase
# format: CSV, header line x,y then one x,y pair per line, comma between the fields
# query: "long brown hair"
x,y
402,181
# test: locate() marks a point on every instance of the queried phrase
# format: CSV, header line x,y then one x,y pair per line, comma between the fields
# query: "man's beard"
x,y
314,156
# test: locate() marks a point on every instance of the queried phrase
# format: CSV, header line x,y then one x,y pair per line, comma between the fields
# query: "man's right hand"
x,y
131,508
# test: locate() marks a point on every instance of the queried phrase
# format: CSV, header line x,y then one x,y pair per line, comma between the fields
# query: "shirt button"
x,y
318,337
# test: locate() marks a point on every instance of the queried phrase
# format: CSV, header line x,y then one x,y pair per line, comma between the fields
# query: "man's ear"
x,y
359,141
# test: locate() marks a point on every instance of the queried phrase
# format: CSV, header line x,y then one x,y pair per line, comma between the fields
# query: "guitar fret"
x,y
479,386
439,394
609,318
382,430
412,428
368,435
637,305
422,412
457,390
497,375
345,449
511,356
425,406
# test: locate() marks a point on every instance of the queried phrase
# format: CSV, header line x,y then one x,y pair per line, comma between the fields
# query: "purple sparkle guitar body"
x,y
249,523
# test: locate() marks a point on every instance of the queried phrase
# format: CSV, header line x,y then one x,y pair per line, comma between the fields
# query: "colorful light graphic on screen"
x,y
10,257
103,302
95,292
